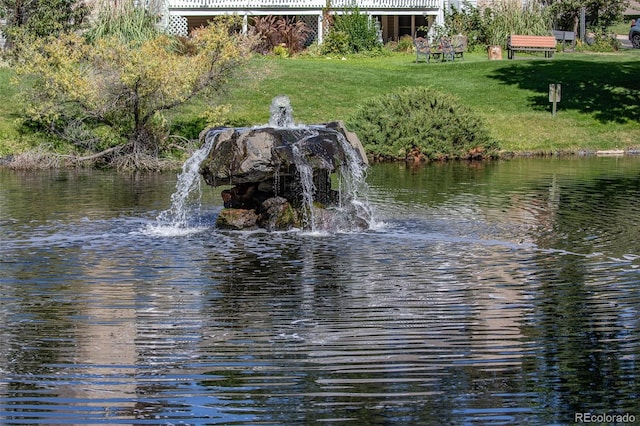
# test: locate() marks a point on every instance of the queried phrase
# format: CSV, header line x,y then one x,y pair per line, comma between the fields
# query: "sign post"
x,y
554,95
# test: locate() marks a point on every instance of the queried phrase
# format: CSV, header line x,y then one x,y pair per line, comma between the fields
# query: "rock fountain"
x,y
283,176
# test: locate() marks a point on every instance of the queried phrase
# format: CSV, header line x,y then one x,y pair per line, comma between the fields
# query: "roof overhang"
x,y
291,11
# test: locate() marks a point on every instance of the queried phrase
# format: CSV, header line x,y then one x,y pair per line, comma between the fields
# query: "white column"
x,y
245,24
440,15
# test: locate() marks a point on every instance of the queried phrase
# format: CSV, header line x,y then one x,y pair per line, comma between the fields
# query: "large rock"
x,y
274,214
240,156
280,175
277,214
237,219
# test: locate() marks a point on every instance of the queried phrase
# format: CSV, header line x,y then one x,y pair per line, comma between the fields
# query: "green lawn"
x,y
599,109
600,106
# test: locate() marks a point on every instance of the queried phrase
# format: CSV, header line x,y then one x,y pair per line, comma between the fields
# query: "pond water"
x,y
494,293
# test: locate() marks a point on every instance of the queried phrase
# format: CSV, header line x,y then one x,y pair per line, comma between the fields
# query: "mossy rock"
x,y
237,219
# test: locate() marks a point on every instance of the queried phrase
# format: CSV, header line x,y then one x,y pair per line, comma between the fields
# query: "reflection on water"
x,y
500,293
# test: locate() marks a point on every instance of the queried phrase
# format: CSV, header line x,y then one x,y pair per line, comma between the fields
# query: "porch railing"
x,y
302,4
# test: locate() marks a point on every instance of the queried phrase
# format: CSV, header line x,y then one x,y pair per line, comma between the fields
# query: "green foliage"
x,y
599,42
419,121
507,17
281,51
189,128
599,108
361,31
124,21
313,50
74,89
467,20
281,36
599,14
492,25
40,18
336,43
216,116
405,44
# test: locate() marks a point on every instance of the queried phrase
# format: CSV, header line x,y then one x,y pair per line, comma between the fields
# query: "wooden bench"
x,y
527,43
565,37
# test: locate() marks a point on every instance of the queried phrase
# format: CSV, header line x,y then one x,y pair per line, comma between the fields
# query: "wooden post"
x,y
495,53
583,24
554,96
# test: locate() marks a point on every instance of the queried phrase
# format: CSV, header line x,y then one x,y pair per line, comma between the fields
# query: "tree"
x,y
600,14
107,97
41,18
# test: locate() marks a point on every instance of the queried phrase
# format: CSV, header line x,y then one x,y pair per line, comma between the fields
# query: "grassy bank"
x,y
11,141
599,109
600,106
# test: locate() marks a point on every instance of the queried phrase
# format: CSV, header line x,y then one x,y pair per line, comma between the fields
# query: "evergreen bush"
x,y
360,30
421,123
336,43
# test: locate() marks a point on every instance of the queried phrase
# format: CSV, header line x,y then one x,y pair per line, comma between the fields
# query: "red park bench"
x,y
528,43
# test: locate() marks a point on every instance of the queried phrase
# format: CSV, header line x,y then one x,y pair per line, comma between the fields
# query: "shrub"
x,y
125,21
267,33
599,42
281,51
335,43
26,20
405,44
423,123
274,32
294,34
361,31
74,89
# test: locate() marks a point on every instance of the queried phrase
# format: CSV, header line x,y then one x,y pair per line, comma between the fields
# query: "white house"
x,y
395,17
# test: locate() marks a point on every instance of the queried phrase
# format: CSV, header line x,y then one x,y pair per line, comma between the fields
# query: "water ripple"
x,y
504,295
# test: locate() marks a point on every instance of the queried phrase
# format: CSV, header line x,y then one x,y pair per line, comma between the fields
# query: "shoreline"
x,y
6,162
